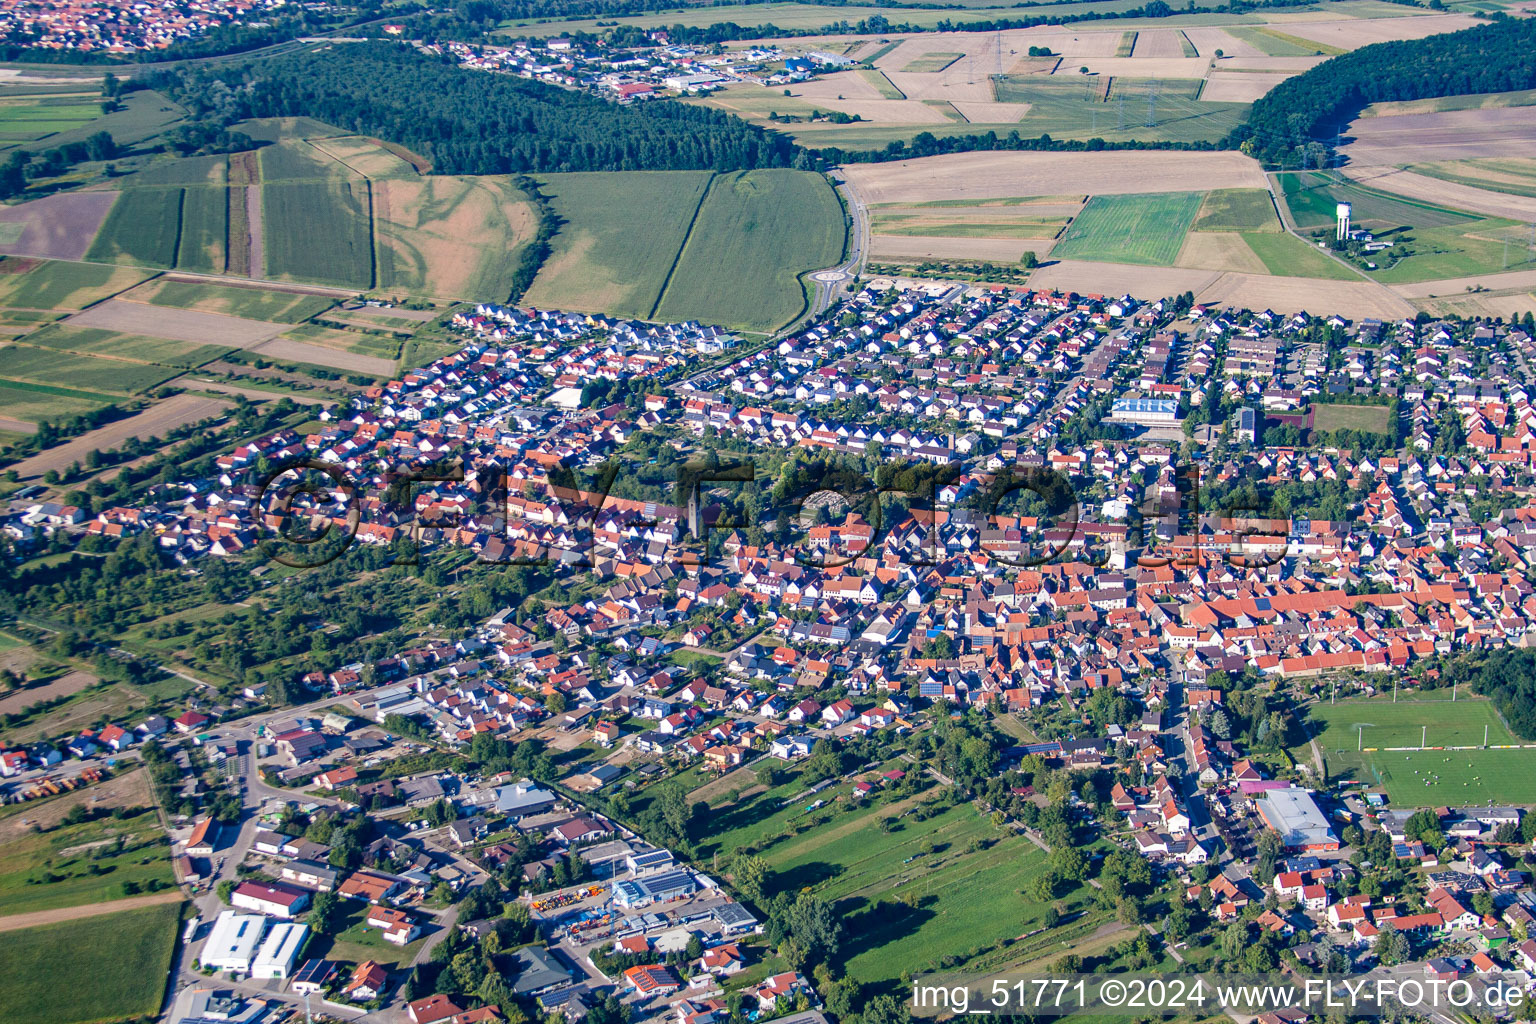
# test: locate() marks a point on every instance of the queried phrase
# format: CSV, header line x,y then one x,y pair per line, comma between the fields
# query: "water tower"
x,y
1343,211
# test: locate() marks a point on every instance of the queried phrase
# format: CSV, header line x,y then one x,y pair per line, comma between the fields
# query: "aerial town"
x,y
508,818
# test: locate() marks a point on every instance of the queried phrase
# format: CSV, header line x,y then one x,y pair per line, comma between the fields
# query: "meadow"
x,y
319,231
65,866
101,968
33,117
1350,417
755,234
32,403
1146,229
1312,197
1285,255
144,227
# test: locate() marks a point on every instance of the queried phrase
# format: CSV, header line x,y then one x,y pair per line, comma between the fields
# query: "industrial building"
x,y
1145,411
233,942
280,950
643,892
1295,815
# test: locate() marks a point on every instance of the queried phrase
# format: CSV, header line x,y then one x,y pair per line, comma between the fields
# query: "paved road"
x,y
825,292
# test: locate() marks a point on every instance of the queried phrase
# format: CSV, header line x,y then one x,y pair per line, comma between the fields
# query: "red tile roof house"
x,y
367,982
399,928
191,722
116,737
337,778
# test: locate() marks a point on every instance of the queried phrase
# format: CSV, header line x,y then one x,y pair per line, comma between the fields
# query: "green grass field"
x,y
755,234
1312,197
1285,255
27,118
295,160
190,170
1275,43
1346,732
95,341
61,867
102,968
204,229
53,284
1490,245
69,370
143,228
251,303
604,258
19,401
1237,209
1146,229
1350,417
319,231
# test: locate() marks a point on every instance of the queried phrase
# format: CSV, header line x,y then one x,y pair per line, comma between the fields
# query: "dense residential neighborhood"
x,y
1043,629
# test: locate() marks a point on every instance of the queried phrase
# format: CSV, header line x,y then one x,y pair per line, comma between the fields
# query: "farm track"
x,y
15,922
666,282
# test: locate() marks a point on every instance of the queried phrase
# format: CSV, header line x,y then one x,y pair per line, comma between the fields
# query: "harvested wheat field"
x,y
288,350
365,157
991,250
997,175
847,84
1154,43
1293,294
1449,193
1240,87
1219,250
1138,67
992,113
1514,279
453,237
176,324
1358,32
1483,304
156,421
1210,39
1121,278
1450,135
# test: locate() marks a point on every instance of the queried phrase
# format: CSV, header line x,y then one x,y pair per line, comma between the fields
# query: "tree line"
x,y
473,123
1300,110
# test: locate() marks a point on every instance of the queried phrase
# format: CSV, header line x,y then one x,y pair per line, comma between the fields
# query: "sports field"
x,y
1345,733
104,968
1146,229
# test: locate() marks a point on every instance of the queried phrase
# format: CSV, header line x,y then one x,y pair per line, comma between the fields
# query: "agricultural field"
x,y
71,371
319,231
204,229
932,62
59,226
108,967
1285,255
33,403
605,259
451,237
118,345
1144,229
144,227
155,421
1312,196
1237,209
755,234
1274,43
187,170
232,300
28,118
70,865
52,284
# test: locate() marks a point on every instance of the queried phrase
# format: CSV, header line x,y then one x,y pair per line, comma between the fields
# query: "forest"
x,y
1508,678
472,123
1301,110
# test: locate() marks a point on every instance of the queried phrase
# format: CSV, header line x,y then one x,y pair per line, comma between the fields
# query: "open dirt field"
x,y
1138,66
1240,87
13,922
1453,286
301,352
1482,304
1451,193
1154,43
60,226
906,247
10,426
176,324
1452,135
1219,250
63,686
1358,32
1292,294
992,175
1121,278
131,789
155,421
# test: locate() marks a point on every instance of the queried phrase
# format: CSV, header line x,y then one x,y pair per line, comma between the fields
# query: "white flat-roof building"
x,y
280,950
233,942
1295,815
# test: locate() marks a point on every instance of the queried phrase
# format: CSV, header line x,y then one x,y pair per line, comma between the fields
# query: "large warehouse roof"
x,y
1295,815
